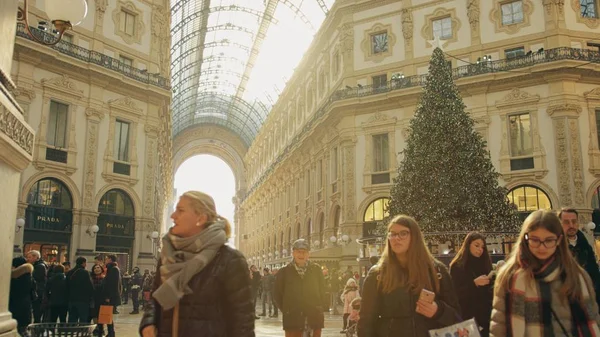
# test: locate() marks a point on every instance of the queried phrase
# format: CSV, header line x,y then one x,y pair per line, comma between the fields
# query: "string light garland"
x,y
446,179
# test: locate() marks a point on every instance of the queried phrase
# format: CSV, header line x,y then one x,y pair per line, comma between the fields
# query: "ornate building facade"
x,y
99,101
322,165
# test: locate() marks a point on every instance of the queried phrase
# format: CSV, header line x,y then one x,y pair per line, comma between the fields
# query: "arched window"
x,y
116,202
298,231
321,227
50,192
377,210
527,199
336,220
309,228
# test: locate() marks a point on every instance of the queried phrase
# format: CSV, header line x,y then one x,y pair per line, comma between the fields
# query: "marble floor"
x,y
126,325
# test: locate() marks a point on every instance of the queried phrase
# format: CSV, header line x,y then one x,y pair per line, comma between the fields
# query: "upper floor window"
x,y
334,164
57,125
307,183
322,83
381,150
336,63
442,28
589,8
122,141
379,43
127,22
598,125
126,60
521,141
319,174
380,81
514,52
512,12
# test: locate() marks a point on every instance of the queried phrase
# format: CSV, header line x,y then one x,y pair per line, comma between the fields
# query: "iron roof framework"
x,y
220,74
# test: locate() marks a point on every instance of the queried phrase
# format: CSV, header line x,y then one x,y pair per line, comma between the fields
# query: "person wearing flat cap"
x,y
299,293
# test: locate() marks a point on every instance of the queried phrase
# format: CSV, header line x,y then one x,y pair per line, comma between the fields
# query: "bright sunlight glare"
x,y
211,175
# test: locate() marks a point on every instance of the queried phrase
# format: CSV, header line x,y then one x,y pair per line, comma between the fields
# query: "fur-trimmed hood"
x,y
22,270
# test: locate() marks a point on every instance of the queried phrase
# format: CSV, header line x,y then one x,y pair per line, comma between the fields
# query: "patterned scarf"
x,y
301,270
529,304
182,258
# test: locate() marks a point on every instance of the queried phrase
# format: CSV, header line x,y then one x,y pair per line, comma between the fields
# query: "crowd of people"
x,y
41,292
548,286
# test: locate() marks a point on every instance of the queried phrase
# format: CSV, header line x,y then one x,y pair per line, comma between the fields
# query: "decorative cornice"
x,y
125,104
151,130
517,97
592,94
564,109
94,113
16,129
64,84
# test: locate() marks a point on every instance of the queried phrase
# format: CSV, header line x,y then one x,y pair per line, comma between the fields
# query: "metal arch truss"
x,y
233,8
323,6
207,60
297,11
214,44
227,26
243,119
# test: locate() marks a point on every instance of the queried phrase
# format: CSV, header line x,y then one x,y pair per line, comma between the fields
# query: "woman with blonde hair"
x,y
541,290
408,292
202,286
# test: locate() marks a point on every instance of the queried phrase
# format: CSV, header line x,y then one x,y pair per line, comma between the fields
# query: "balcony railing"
x,y
95,57
469,70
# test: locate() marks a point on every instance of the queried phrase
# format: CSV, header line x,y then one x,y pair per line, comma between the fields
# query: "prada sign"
x,y
48,219
116,225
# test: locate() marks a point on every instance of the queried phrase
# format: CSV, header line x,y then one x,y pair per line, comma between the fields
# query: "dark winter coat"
x,y
393,314
40,271
220,305
137,280
97,294
19,300
56,290
80,285
256,281
112,286
475,302
585,256
299,298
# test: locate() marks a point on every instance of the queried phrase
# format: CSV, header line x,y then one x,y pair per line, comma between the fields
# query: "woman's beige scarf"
x,y
182,258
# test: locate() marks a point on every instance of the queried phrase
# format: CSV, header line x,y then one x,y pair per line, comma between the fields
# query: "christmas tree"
x,y
446,179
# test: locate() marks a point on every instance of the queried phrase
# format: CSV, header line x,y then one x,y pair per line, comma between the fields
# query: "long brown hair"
x,y
464,253
420,270
522,258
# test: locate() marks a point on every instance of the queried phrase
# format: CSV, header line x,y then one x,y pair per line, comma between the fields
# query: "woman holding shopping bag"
x,y
201,284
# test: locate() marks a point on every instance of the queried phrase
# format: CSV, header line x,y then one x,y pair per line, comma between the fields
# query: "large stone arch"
x,y
214,140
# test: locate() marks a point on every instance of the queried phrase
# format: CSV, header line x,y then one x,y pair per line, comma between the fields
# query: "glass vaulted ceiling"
x,y
231,58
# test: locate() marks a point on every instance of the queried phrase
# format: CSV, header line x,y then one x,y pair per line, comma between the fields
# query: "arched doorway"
x,y
116,225
49,220
527,199
371,241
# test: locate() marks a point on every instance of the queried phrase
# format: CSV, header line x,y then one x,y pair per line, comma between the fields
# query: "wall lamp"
x,y
20,224
153,236
92,230
64,14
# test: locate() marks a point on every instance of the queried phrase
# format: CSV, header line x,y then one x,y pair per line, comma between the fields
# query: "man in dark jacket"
x,y
266,285
112,287
40,270
300,293
136,285
255,284
81,292
126,280
580,247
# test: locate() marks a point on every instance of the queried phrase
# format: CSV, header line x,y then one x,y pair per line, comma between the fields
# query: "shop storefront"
x,y
49,220
116,224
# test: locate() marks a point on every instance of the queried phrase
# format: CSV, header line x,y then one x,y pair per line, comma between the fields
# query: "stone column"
x,y
16,148
349,226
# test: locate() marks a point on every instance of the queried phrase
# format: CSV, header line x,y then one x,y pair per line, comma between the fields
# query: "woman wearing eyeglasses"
x,y
408,292
470,272
541,291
